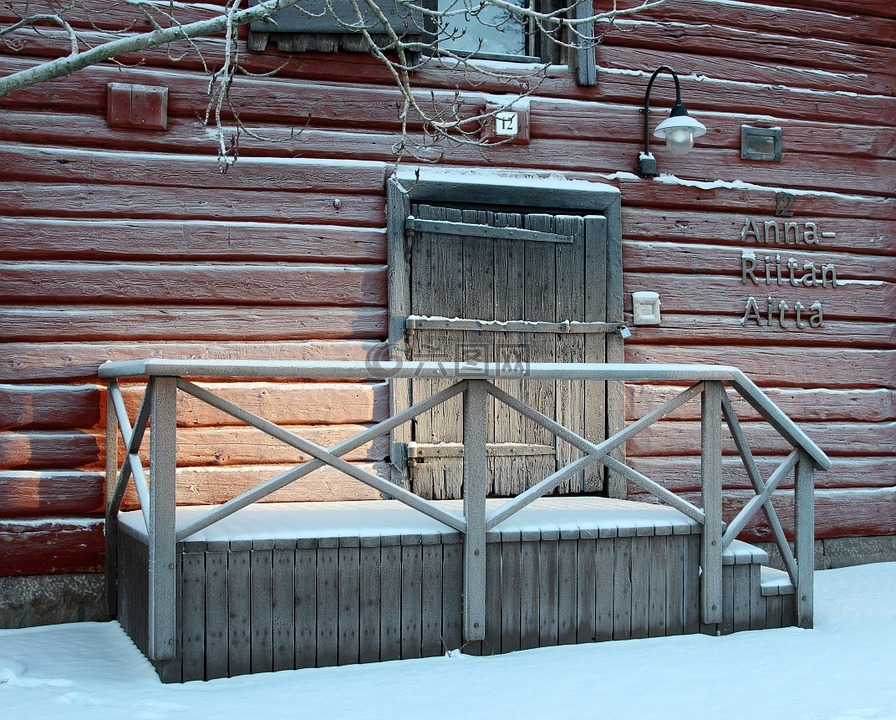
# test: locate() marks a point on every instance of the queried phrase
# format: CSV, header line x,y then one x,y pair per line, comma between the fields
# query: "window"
x,y
468,28
472,29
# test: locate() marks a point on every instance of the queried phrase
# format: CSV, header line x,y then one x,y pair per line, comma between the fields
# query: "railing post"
x,y
475,482
804,531
111,525
711,488
162,568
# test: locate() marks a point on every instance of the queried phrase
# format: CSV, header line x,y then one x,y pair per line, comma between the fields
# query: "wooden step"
x,y
774,582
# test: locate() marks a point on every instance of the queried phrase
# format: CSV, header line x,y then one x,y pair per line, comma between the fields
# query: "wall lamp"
x,y
679,129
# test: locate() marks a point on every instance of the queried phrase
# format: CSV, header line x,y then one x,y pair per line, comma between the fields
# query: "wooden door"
x,y
508,288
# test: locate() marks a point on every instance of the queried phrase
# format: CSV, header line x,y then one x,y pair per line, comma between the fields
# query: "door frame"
x,y
482,186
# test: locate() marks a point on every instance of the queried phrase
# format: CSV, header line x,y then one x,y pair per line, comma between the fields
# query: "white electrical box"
x,y
645,308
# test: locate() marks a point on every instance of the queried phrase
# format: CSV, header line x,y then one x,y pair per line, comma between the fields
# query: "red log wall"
x,y
119,243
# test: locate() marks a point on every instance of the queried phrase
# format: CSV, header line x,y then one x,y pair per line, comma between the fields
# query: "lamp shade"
x,y
679,130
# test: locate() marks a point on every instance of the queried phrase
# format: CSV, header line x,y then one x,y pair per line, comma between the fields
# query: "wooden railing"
x,y
474,382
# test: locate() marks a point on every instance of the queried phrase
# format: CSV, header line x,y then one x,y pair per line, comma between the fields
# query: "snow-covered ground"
x,y
845,669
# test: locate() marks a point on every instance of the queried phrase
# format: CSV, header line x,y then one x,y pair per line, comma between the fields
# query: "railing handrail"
x,y
382,370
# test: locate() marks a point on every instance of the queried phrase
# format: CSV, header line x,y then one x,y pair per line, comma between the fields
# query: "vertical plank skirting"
x,y
258,605
349,601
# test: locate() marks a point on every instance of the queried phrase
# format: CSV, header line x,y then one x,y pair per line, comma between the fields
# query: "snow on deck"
x,y
603,517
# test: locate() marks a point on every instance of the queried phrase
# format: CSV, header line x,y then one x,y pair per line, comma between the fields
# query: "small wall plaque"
x,y
137,106
761,143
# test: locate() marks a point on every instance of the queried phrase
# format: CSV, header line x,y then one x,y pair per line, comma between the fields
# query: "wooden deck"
x,y
280,586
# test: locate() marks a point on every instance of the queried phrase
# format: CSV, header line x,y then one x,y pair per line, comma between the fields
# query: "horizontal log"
x,y
213,485
131,324
861,8
50,450
847,20
700,37
800,405
165,203
49,547
78,361
561,119
74,165
854,176
193,240
26,494
682,473
221,446
861,300
282,403
83,450
721,63
674,193
102,14
224,283
847,173
689,328
858,439
708,92
294,101
47,407
855,255
838,513
782,366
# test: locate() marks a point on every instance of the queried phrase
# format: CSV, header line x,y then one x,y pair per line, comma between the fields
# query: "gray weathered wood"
x,y
744,577
604,595
567,600
641,579
548,588
622,588
452,596
349,592
327,602
431,599
510,593
658,601
475,478
283,605
239,626
675,584
193,582
162,570
306,605
585,60
398,207
465,228
804,511
586,589
390,599
261,571
216,614
711,491
411,597
692,549
494,584
566,327
369,611
529,590
112,503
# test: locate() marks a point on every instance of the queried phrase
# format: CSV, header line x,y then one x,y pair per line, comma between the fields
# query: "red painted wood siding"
x,y
121,243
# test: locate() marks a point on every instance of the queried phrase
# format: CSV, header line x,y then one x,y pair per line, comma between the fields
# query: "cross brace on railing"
x,y
158,501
